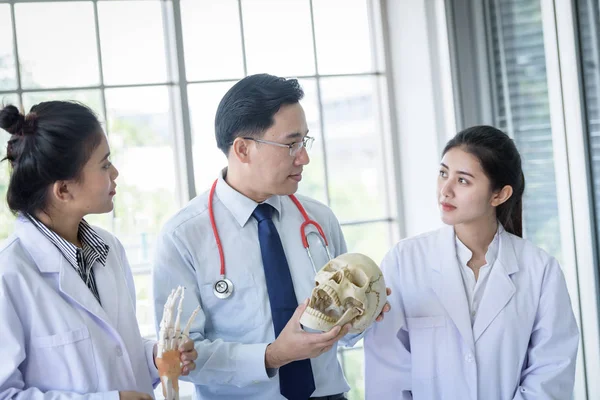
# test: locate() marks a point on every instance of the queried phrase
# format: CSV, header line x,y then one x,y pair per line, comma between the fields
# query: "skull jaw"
x,y
349,316
315,319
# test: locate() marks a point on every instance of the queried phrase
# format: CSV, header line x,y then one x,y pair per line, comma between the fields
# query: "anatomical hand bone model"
x,y
170,337
349,289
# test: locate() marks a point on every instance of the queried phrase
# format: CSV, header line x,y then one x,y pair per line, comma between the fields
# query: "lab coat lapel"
x,y
499,289
106,284
71,284
45,255
448,285
49,260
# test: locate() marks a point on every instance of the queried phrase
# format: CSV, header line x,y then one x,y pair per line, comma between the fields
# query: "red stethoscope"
x,y
224,287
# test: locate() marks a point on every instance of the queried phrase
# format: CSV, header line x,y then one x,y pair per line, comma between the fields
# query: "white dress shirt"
x,y
474,288
231,334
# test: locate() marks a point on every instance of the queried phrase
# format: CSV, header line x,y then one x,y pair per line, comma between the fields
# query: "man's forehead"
x,y
288,124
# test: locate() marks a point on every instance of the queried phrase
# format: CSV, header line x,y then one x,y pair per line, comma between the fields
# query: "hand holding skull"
x,y
293,343
350,289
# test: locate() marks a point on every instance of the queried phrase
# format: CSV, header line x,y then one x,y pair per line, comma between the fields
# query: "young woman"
x,y
478,312
67,302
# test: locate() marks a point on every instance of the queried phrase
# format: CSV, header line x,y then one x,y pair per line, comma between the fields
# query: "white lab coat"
x,y
522,344
56,341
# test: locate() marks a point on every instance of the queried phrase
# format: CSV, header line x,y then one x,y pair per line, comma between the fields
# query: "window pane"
x,y
313,176
278,37
90,98
371,239
57,44
343,44
144,304
132,41
8,77
589,31
212,39
103,221
353,137
523,112
208,159
140,136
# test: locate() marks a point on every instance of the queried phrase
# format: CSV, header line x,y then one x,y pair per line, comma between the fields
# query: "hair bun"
x,y
11,120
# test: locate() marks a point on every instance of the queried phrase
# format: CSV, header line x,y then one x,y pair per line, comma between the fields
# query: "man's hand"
x,y
386,307
188,356
294,344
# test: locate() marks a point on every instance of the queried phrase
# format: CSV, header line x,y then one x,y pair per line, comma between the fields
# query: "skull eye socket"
x,y
358,278
337,277
329,268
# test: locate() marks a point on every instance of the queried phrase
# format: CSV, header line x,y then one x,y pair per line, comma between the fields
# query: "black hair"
x,y
247,109
501,162
52,143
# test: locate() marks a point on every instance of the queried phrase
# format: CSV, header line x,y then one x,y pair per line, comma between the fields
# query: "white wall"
x,y
421,100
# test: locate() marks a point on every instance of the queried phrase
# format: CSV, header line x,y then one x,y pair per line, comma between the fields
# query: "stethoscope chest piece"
x,y
223,288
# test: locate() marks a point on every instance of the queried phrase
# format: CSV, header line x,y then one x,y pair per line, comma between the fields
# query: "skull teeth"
x,y
318,314
333,295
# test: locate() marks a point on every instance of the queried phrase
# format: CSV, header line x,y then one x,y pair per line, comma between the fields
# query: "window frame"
x,y
180,108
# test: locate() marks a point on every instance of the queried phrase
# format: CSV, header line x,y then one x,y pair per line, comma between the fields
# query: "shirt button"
x,y
472,313
469,358
119,351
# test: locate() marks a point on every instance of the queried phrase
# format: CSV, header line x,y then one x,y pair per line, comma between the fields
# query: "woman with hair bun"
x,y
67,297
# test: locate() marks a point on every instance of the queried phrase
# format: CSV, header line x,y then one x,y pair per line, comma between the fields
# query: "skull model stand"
x,y
349,289
170,337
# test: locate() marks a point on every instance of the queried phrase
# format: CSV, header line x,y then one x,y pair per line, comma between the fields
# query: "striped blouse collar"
x,y
91,241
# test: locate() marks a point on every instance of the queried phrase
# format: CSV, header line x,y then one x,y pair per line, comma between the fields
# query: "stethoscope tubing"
x,y
224,287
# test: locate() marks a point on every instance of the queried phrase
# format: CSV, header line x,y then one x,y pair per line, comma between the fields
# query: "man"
x,y
249,340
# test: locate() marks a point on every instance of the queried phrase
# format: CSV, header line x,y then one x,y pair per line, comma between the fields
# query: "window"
x,y
521,108
589,52
116,64
125,60
589,34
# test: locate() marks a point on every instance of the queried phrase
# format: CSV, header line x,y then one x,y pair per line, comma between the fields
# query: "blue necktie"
x,y
296,378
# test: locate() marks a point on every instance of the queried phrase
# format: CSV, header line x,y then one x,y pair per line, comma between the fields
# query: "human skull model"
x,y
349,289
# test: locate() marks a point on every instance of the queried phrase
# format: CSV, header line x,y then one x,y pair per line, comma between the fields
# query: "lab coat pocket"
x,y
62,361
230,317
427,338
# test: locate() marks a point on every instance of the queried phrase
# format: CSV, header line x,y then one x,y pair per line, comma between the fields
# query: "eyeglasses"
x,y
295,147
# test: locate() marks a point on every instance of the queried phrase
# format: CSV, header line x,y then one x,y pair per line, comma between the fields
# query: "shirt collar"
x,y
92,243
89,238
240,206
464,254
